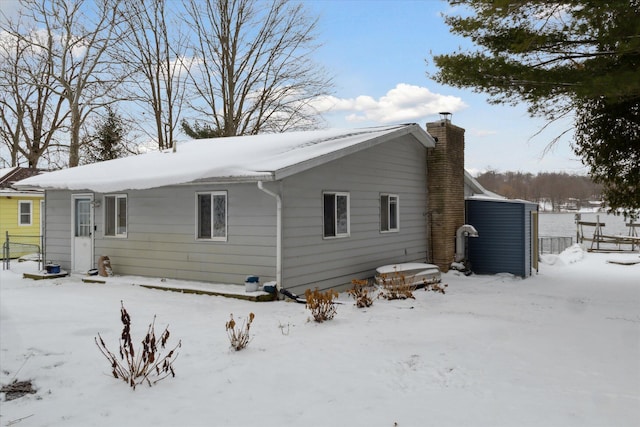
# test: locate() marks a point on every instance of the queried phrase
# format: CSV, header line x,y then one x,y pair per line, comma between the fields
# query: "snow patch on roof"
x,y
256,157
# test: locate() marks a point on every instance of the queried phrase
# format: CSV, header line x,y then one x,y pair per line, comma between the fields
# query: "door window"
x,y
83,218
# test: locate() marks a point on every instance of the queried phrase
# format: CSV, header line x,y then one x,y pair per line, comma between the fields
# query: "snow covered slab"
x,y
418,272
186,287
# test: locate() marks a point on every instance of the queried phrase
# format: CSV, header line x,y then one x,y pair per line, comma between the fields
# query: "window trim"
x,y
397,209
226,216
30,204
337,235
116,213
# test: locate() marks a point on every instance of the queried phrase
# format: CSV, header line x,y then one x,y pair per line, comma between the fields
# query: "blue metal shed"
x,y
507,236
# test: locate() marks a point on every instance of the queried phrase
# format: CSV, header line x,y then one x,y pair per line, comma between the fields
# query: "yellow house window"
x,y
25,212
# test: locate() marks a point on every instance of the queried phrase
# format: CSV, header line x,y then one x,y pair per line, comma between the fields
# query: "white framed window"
x,y
115,215
211,216
25,212
336,216
389,213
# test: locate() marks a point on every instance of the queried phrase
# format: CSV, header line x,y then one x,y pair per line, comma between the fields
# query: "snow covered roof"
x,y
6,171
479,192
8,176
233,159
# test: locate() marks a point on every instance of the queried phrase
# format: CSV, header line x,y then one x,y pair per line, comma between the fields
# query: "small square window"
x,y
115,216
211,210
25,212
389,213
336,214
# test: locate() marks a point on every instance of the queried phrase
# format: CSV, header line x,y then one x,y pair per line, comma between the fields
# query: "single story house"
x,y
306,209
20,219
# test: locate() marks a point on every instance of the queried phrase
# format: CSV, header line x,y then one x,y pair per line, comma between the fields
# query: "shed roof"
x,y
232,159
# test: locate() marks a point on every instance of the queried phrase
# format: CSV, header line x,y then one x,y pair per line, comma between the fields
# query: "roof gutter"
x,y
278,233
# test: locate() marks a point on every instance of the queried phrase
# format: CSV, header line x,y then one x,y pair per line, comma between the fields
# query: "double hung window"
x,y
211,211
25,212
389,213
336,214
115,215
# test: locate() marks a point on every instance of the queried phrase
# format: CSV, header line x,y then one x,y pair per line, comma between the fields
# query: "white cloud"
x,y
403,103
481,133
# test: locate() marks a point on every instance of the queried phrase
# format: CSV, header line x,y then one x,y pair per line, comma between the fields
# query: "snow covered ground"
x,y
561,348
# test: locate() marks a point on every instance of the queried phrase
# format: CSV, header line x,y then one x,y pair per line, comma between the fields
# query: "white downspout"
x,y
278,233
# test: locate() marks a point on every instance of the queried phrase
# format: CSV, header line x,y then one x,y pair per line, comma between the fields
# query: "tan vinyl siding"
x,y
397,167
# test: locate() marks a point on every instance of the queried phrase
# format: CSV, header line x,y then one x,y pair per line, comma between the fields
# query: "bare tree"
x,y
252,70
154,53
31,111
77,36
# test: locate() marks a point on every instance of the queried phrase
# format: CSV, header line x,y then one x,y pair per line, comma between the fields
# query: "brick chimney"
x,y
445,183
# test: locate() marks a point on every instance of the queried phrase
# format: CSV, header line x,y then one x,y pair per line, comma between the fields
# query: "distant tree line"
x,y
558,188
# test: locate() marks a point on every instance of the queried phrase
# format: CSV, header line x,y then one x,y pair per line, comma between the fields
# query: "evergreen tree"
x,y
108,141
576,57
200,131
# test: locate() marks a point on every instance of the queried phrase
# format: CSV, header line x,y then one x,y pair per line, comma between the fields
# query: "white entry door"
x,y
82,232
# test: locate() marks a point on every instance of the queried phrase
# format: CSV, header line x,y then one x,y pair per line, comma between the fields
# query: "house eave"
x,y
267,176
36,193
415,130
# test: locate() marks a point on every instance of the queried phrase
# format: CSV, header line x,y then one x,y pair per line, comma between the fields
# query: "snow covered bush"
x,y
321,304
239,337
360,293
396,286
149,365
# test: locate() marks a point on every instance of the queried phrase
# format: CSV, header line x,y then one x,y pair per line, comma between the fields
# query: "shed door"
x,y
82,226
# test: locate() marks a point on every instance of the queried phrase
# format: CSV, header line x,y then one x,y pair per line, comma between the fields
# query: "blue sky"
x,y
373,46
379,53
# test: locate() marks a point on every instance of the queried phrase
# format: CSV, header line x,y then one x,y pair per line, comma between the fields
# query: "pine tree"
x,y
577,58
200,131
107,142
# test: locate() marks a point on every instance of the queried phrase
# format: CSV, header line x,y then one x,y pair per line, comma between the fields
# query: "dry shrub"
x,y
149,365
397,286
321,304
360,293
239,336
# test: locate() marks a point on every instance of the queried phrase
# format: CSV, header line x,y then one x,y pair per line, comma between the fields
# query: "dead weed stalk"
x,y
149,365
239,337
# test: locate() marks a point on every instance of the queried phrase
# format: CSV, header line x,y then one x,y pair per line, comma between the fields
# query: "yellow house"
x,y
20,214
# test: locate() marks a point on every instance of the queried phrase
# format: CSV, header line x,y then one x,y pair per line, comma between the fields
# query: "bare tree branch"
x,y
154,54
252,70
